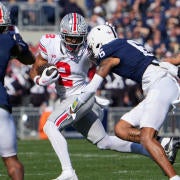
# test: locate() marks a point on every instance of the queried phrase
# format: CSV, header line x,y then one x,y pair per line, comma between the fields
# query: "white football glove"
x,y
45,79
172,69
102,101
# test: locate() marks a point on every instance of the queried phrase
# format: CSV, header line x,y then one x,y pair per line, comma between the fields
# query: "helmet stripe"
x,y
74,22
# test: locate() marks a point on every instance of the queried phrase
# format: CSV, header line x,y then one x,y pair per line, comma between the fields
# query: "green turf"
x,y
90,163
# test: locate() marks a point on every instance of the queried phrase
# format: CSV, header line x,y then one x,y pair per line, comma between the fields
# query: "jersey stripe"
x,y
61,119
42,48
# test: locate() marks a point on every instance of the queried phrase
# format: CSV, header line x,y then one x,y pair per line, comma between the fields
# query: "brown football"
x,y
49,72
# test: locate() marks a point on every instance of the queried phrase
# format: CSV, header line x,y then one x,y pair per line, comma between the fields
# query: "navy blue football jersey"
x,y
6,44
134,58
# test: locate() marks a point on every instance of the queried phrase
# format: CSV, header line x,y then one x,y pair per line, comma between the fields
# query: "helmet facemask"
x,y
73,43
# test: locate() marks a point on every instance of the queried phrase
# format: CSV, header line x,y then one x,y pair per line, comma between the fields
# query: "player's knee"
x,y
145,139
120,130
48,127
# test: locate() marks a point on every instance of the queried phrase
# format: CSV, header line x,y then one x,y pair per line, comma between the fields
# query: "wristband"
x,y
36,79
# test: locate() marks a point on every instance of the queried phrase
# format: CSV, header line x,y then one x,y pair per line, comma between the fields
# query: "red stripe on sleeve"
x,y
42,48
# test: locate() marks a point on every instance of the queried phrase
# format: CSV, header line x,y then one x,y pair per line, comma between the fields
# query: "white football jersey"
x,y
73,69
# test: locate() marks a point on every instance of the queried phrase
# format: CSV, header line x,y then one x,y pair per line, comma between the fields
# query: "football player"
x,y
68,51
130,59
11,46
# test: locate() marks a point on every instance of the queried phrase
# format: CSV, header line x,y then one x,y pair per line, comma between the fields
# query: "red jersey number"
x,y
50,36
65,71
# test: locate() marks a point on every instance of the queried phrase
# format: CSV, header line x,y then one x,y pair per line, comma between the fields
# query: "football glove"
x,y
46,79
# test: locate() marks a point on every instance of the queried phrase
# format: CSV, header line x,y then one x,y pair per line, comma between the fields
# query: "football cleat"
x,y
171,146
67,175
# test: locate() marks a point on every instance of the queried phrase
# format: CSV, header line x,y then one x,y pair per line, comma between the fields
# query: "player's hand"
x,y
172,69
102,101
46,78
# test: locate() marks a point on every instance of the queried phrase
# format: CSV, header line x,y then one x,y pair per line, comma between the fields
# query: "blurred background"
x,y
154,23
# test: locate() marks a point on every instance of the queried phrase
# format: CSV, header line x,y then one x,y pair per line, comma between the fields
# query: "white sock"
x,y
115,143
175,178
59,145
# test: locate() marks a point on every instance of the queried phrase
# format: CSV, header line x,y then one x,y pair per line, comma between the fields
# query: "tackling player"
x,y
11,46
68,51
130,59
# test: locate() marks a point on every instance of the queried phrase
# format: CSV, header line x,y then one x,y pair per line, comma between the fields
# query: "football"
x,y
49,72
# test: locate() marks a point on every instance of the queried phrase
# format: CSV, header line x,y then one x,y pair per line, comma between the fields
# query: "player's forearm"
x,y
94,84
39,61
87,92
27,57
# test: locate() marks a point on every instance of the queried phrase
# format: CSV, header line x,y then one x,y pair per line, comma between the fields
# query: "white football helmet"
x,y
73,30
4,18
98,36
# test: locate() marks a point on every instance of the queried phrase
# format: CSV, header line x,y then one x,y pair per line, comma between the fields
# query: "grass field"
x,y
90,163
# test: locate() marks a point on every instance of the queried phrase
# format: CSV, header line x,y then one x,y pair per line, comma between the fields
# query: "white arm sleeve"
x,y
94,84
87,92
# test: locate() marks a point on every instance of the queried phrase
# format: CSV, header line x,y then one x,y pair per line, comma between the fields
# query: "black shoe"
x,y
171,148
